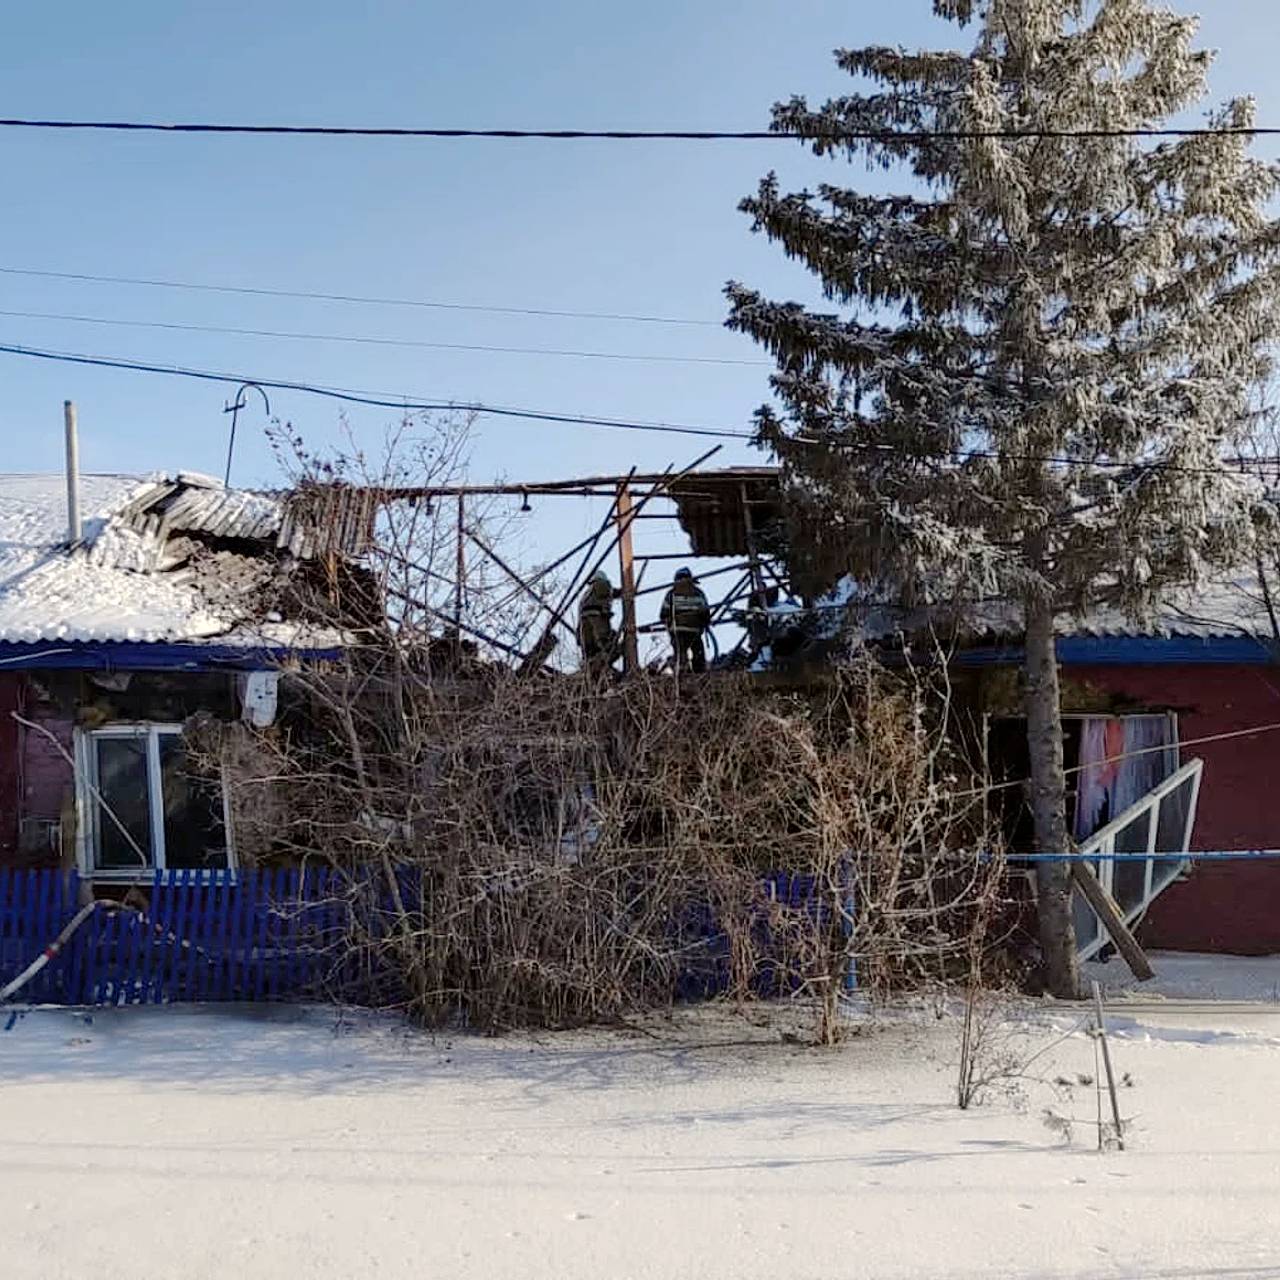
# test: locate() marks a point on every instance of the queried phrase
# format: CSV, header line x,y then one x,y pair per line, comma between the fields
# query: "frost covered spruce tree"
x,y
1051,337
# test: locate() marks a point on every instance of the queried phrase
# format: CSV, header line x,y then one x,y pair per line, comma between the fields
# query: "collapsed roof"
x,y
176,559
724,511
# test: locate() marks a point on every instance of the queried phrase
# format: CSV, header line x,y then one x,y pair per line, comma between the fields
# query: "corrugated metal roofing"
x,y
126,580
1234,607
717,508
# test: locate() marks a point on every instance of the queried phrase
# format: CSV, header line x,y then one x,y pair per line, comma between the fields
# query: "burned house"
x,y
175,599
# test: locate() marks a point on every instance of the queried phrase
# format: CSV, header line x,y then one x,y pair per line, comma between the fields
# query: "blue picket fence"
x,y
278,935
257,935
707,968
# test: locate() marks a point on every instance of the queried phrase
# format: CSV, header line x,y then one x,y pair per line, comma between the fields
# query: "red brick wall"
x,y
1227,907
10,697
47,777
35,777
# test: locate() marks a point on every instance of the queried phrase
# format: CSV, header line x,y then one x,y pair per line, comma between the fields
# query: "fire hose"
x,y
656,628
52,951
49,953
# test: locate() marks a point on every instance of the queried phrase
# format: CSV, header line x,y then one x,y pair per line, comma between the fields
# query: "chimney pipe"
x,y
75,532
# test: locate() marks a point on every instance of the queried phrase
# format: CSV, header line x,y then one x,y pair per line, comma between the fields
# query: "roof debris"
x,y
163,559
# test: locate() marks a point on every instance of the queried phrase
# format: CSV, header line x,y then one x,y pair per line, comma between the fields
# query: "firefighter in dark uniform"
x,y
596,636
686,615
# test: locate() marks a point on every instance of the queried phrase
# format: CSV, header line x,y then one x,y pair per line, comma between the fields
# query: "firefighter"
x,y
686,615
596,636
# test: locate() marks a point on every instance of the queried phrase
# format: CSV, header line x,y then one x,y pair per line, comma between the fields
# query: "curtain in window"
x,y
1108,785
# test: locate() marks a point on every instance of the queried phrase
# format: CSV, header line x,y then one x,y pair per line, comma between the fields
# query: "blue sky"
x,y
646,228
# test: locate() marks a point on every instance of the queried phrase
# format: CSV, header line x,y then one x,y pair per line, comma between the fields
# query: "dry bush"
x,y
553,850
538,848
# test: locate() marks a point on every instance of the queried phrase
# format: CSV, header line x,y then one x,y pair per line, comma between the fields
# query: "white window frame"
x,y
89,816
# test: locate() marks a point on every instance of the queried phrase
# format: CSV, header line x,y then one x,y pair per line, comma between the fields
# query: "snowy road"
x,y
193,1143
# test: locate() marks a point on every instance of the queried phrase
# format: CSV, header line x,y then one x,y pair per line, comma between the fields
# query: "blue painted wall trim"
x,y
1135,651
137,656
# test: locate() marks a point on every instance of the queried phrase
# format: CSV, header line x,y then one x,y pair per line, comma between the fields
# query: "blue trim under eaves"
x,y
140,656
1136,651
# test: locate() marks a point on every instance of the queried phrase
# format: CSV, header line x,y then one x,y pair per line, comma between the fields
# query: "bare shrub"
x,y
521,846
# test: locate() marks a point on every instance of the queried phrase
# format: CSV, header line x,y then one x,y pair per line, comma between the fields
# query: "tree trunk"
x,y
1049,801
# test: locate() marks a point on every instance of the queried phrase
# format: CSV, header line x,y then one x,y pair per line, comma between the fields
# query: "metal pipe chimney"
x,y
75,531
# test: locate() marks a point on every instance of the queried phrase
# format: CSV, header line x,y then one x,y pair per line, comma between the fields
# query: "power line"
x,y
1228,736
380,342
377,400
637,135
355,298
396,400
1186,855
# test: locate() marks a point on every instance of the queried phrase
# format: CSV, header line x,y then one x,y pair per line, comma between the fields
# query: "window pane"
x,y
1130,878
1170,832
122,784
194,833
1172,826
1086,920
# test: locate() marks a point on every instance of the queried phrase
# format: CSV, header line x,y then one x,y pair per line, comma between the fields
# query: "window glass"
x,y
1130,878
195,835
1171,833
121,767
1086,921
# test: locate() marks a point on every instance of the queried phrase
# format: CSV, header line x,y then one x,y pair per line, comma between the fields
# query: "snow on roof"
x,y
1230,608
120,584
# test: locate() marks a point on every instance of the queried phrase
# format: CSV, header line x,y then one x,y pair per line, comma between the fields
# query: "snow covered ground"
x,y
218,1142
1185,975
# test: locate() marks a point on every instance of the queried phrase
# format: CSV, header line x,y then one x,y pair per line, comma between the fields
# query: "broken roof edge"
x,y
119,584
571,487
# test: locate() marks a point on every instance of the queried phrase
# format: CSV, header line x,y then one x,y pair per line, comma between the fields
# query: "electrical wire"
x,y
85,278
378,342
396,400
377,400
1128,755
1158,855
887,136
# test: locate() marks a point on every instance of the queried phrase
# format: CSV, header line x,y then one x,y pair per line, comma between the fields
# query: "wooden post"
x,y
753,552
1106,1058
1109,913
460,569
627,579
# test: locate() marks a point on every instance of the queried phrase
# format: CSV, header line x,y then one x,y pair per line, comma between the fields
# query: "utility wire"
x,y
1127,755
380,342
836,135
378,400
85,278
396,400
1157,855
